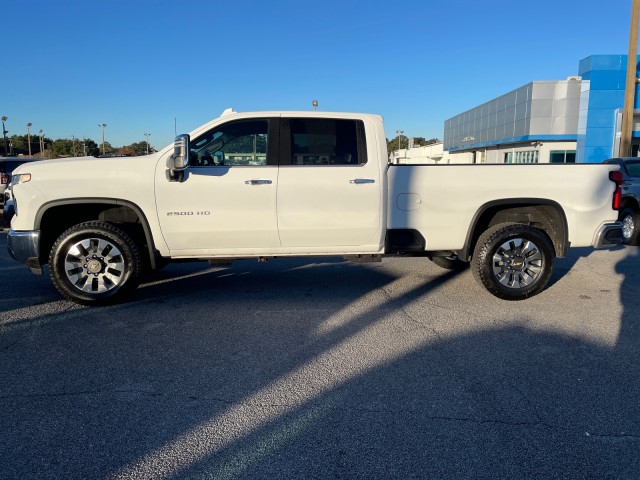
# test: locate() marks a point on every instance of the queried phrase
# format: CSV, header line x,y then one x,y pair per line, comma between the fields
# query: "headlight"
x,y
20,178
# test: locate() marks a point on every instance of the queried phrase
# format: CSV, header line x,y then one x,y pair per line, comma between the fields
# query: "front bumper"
x,y
608,234
25,248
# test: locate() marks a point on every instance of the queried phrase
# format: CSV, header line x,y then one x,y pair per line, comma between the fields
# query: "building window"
x,y
562,156
523,156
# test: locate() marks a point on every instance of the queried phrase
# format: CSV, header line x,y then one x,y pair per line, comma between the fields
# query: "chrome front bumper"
x,y
25,248
608,235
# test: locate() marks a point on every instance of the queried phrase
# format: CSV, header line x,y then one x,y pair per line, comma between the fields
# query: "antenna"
x,y
175,127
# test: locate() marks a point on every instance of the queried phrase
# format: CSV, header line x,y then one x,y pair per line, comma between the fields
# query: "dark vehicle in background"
x,y
7,165
630,207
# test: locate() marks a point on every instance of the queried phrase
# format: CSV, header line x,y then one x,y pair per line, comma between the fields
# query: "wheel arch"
x,y
56,216
630,201
544,214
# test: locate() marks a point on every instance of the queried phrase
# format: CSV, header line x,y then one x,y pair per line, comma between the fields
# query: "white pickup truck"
x,y
278,184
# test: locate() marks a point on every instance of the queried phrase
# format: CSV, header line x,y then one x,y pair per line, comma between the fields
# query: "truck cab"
x,y
282,182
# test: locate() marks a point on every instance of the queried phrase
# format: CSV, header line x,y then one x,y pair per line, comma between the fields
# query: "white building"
x,y
536,123
429,154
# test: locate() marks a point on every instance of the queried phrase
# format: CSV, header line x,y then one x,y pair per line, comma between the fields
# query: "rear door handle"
x,y
359,181
258,182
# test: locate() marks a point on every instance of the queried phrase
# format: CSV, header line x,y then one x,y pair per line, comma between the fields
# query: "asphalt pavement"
x,y
324,369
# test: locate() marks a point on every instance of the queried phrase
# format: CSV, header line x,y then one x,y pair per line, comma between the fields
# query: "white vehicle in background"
x,y
280,184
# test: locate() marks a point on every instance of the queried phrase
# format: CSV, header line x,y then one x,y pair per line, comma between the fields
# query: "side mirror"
x,y
179,161
180,155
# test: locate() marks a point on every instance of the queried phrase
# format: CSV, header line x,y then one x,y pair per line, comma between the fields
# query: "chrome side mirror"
x,y
181,152
179,161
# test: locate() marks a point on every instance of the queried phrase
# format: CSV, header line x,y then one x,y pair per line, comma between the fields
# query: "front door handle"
x,y
258,182
359,181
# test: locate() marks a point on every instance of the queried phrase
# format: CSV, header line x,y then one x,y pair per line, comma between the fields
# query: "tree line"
x,y
401,142
68,147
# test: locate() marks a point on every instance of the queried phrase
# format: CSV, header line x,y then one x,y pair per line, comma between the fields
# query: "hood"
x,y
93,163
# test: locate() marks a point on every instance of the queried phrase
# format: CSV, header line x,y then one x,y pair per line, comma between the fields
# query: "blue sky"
x,y
138,64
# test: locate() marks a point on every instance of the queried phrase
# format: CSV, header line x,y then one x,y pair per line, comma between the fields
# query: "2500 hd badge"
x,y
186,214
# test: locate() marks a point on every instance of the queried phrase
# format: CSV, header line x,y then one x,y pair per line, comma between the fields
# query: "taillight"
x,y
4,178
617,178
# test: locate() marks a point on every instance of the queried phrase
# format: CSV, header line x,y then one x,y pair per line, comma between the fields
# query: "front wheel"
x,y
513,261
95,263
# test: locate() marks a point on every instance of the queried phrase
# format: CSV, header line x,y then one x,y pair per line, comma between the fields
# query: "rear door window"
x,y
325,141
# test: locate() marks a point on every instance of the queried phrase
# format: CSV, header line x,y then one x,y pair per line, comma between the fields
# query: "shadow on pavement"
x,y
276,373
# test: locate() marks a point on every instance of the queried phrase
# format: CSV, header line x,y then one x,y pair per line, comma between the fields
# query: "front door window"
x,y
242,143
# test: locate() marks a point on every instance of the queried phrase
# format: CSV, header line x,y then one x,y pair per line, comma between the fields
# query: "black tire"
x,y
513,261
630,227
95,263
452,262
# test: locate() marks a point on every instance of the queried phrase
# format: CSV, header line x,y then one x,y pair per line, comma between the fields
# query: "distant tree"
x,y
63,147
392,145
138,148
397,143
108,149
92,148
421,142
73,147
20,145
127,151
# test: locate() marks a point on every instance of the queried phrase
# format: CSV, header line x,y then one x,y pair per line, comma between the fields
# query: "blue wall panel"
x,y
604,99
606,75
599,136
601,117
596,154
608,80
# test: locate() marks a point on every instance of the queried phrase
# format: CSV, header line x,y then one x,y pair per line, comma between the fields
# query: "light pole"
x,y
41,143
399,132
630,85
146,136
4,133
102,126
29,136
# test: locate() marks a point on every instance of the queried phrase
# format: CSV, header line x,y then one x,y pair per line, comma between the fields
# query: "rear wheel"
x,y
95,263
513,261
630,227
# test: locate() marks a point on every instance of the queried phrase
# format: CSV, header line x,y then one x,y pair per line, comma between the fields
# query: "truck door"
x,y
329,192
227,200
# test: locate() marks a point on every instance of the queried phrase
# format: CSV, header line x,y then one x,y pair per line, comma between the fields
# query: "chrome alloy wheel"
x,y
94,265
517,263
628,226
